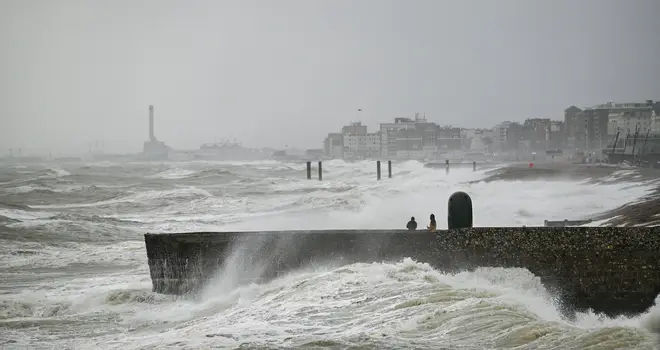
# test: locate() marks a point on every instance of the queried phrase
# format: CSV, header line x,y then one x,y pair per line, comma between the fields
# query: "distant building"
x,y
500,134
594,128
477,140
352,142
507,136
388,135
417,138
587,129
574,127
362,146
596,123
449,138
409,143
655,122
535,131
556,135
354,129
625,117
372,144
333,146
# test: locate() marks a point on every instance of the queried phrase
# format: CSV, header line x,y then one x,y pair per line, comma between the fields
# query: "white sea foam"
x,y
86,295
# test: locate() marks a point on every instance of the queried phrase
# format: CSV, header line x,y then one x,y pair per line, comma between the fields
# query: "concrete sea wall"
x,y
613,270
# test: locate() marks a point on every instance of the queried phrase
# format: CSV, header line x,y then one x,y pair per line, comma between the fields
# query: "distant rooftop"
x,y
624,105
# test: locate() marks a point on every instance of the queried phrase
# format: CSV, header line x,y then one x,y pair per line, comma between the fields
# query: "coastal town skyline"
x,y
270,75
581,129
356,139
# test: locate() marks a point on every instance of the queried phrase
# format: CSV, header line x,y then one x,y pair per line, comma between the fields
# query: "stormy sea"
x,y
74,269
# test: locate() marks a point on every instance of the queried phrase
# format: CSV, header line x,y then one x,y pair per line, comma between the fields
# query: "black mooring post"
x,y
474,165
320,172
447,165
459,211
389,169
309,170
378,169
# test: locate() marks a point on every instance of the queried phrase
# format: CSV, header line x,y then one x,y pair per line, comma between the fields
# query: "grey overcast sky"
x,y
270,73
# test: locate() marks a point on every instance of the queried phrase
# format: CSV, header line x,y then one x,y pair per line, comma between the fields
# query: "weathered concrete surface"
x,y
608,269
565,223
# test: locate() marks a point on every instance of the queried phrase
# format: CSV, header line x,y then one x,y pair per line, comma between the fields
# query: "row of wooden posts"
x,y
309,170
389,169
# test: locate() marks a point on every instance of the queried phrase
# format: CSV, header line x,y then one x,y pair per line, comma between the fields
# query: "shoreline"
x,y
643,212
569,171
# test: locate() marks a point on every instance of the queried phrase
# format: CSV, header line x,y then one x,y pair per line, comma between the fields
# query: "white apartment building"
x,y
388,144
359,146
619,121
626,117
500,133
655,124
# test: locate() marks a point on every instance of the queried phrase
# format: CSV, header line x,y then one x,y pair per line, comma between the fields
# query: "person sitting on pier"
x,y
412,224
432,226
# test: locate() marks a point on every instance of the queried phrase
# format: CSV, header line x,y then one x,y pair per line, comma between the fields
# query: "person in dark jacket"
x,y
412,224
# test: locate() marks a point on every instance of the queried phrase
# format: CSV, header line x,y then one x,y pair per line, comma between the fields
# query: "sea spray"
x,y
75,272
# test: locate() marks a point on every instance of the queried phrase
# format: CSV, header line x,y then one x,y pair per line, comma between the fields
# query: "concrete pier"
x,y
611,270
608,269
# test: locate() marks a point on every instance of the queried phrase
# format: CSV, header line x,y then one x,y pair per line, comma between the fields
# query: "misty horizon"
x,y
288,72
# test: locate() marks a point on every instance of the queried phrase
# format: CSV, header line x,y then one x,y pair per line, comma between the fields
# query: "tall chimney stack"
x,y
151,123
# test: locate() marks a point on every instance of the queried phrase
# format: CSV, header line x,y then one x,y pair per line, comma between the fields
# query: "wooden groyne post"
x,y
389,169
320,169
309,171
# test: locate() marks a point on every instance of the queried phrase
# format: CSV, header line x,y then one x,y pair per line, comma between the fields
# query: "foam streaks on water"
x,y
74,270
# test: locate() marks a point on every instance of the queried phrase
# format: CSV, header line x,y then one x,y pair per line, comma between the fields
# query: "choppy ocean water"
x,y
74,270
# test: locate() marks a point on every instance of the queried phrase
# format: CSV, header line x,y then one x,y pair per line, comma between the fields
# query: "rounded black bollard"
x,y
459,211
474,166
378,169
309,170
320,171
389,169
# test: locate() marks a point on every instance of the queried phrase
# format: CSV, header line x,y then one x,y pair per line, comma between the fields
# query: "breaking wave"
x,y
75,275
